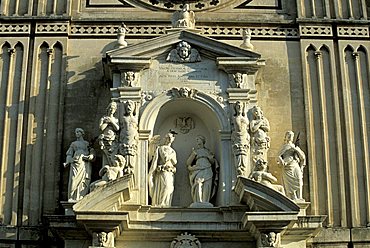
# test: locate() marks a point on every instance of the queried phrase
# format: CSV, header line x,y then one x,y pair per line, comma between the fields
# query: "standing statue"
x,y
259,127
184,18
241,140
109,125
203,174
129,136
162,172
293,160
79,157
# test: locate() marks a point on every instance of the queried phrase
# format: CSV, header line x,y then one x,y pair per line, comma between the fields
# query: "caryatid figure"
x,y
129,135
241,140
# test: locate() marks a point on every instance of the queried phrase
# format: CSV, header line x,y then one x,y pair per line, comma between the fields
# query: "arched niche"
x,y
208,119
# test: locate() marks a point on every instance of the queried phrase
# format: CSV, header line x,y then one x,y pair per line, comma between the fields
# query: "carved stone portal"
x,y
185,240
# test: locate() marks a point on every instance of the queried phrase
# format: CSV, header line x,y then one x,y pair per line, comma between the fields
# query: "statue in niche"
x,y
184,18
103,239
110,172
183,53
185,240
261,175
121,33
79,157
162,172
270,239
241,139
185,124
259,127
203,174
129,135
128,78
183,92
109,125
293,160
238,79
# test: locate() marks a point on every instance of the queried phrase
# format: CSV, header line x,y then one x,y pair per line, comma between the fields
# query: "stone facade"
x,y
305,63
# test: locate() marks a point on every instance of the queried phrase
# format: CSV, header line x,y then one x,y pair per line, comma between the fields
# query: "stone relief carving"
x,y
184,124
129,135
185,240
293,160
184,18
203,174
241,139
128,79
238,79
162,171
259,127
183,92
184,53
247,36
261,175
103,239
121,33
79,157
270,239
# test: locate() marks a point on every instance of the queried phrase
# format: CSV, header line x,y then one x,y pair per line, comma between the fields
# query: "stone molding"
x,y
351,31
46,28
315,30
18,28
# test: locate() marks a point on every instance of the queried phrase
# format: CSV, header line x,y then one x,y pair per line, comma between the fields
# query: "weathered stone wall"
x,y
316,81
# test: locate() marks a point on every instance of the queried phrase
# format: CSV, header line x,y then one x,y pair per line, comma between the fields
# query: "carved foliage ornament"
x,y
185,240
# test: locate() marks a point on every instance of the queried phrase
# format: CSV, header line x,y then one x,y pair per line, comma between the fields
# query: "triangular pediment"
x,y
160,45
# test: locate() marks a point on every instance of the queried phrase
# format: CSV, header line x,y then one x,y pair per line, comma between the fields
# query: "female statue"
x,y
259,127
162,173
79,156
201,173
293,160
109,126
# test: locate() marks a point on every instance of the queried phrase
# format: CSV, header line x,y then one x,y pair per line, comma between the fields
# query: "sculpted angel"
x,y
184,53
